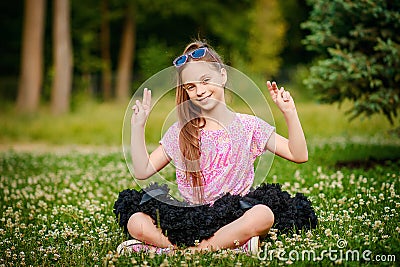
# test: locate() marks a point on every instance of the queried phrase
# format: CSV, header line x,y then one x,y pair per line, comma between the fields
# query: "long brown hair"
x,y
191,121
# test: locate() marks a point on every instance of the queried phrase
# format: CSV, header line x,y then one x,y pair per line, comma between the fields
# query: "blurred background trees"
x,y
117,44
358,47
31,74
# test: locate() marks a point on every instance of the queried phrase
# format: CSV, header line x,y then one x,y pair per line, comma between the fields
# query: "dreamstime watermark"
x,y
338,254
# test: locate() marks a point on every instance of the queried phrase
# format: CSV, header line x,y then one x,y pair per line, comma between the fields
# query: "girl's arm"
x,y
295,147
144,165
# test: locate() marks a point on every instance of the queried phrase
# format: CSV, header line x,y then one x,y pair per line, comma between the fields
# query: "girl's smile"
x,y
204,99
204,84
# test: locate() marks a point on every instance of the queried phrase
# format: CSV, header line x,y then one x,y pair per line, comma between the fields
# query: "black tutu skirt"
x,y
184,224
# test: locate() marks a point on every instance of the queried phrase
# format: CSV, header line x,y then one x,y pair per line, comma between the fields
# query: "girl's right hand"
x,y
141,110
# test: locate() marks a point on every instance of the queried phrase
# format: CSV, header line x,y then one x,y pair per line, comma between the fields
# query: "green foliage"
x,y
248,31
359,48
154,57
267,31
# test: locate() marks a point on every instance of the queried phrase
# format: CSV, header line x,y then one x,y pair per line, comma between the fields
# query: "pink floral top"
x,y
227,156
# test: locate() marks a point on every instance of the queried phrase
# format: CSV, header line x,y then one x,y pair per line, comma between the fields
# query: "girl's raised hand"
x,y
281,98
141,110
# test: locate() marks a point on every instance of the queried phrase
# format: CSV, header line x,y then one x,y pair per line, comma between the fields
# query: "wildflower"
x,y
377,224
339,261
309,234
165,263
328,232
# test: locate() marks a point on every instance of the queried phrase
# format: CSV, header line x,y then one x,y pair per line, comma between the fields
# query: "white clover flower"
x,y
328,232
377,224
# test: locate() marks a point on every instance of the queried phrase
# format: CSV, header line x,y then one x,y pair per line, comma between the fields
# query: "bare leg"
x,y
255,222
141,226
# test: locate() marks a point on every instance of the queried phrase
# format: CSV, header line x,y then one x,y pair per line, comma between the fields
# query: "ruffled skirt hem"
x,y
184,224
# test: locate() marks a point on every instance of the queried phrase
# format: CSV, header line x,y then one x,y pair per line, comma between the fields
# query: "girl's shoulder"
x,y
172,130
252,121
248,118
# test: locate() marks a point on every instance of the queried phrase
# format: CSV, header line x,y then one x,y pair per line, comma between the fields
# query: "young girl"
x,y
213,149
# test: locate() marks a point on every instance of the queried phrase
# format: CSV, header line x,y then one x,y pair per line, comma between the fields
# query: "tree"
x,y
105,51
126,54
32,56
62,49
359,48
266,37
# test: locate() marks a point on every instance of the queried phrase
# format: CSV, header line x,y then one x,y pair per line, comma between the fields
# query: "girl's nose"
x,y
201,89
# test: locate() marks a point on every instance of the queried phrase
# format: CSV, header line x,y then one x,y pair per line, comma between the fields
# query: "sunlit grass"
x,y
101,124
90,123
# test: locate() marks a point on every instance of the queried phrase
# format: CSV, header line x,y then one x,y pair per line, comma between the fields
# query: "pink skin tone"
x,y
205,87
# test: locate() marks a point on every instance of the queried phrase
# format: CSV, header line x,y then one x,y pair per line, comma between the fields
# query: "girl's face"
x,y
204,83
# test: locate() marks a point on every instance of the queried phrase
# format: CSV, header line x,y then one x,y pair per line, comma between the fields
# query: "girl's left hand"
x,y
281,98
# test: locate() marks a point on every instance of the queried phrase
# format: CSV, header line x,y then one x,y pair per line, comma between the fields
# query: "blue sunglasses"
x,y
195,54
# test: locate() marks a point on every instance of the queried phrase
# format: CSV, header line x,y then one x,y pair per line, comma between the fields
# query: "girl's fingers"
x,y
280,93
286,96
272,87
273,90
275,87
144,104
144,96
148,99
139,106
135,109
269,85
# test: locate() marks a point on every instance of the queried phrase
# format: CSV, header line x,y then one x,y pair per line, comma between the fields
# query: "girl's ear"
x,y
224,77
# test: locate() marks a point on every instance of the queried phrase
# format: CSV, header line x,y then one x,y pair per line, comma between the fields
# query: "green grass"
x,y
101,124
56,209
56,205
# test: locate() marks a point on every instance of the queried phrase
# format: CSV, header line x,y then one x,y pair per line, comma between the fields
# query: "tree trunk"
x,y
31,76
126,55
105,50
62,50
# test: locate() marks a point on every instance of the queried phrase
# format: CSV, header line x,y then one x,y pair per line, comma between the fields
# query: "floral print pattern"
x,y
227,156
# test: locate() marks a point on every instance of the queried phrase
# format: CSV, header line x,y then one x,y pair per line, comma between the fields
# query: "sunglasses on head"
x,y
195,54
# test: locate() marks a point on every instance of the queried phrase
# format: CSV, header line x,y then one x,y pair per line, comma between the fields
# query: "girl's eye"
x,y
205,80
189,87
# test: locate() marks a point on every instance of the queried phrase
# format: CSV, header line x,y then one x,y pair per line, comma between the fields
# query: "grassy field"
x,y
61,175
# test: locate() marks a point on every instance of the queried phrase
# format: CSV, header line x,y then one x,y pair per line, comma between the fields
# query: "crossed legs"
x,y
255,222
